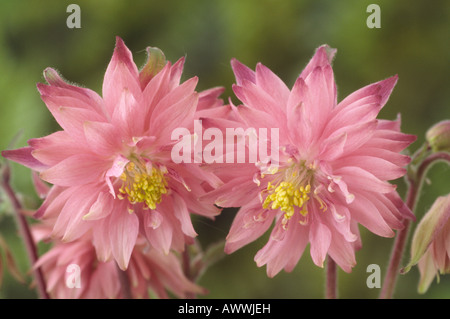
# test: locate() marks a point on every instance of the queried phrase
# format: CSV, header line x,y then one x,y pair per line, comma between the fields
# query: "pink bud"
x,y
429,244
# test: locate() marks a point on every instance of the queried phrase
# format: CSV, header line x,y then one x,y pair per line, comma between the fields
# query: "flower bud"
x,y
438,136
156,60
429,244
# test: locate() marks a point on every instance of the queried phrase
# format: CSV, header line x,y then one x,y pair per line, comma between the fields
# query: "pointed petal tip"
x,y
328,51
53,77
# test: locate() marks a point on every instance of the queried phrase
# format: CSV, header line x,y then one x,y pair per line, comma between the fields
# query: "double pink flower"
x,y
111,163
335,161
114,180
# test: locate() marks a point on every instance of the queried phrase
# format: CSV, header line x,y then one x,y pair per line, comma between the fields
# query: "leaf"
x,y
10,262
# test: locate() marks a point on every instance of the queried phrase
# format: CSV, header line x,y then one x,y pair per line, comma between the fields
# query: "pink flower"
x,y
335,161
430,248
111,163
72,271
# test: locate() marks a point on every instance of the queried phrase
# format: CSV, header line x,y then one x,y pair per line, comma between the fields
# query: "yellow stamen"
x,y
285,196
290,190
141,186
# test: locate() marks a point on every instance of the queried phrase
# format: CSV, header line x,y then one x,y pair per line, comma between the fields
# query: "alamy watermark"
x,y
374,19
73,279
73,21
374,279
229,145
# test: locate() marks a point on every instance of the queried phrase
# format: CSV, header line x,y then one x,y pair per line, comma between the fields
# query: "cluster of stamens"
x,y
285,196
290,189
140,185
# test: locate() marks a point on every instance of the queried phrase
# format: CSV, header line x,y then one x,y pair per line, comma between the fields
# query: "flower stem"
x,y
187,269
25,232
415,184
124,283
331,279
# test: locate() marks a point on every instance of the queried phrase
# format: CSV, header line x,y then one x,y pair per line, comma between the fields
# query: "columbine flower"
x,y
111,163
72,271
335,161
430,247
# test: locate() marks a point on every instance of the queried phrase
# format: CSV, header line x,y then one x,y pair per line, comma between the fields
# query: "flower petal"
x,y
76,170
123,228
24,156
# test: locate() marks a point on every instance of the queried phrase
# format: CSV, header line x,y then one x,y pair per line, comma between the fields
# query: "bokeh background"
x,y
413,42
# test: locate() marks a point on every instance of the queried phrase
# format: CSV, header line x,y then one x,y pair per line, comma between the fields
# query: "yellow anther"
x,y
285,196
143,186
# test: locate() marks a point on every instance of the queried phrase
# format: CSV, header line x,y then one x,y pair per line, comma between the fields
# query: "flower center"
x,y
285,196
289,190
142,185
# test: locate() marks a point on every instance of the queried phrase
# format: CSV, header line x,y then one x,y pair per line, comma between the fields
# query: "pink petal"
x,y
382,89
180,114
382,169
251,222
58,87
255,97
123,231
175,73
76,170
320,239
167,105
365,213
298,122
102,137
272,84
40,186
361,179
121,74
233,194
101,208
127,115
155,90
70,224
342,252
284,253
54,202
24,156
52,148
182,214
242,72
161,236
320,97
209,99
101,241
322,57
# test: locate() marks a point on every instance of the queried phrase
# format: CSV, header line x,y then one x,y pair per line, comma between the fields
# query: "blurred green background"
x,y
413,42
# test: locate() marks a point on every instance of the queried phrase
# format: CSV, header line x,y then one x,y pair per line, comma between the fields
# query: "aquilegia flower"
x,y
72,271
331,172
111,163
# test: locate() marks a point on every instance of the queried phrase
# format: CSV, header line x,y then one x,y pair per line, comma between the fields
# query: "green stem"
x,y
186,262
415,184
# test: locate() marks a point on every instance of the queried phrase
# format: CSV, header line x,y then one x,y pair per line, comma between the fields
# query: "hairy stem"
x,y
25,233
187,269
415,184
331,280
